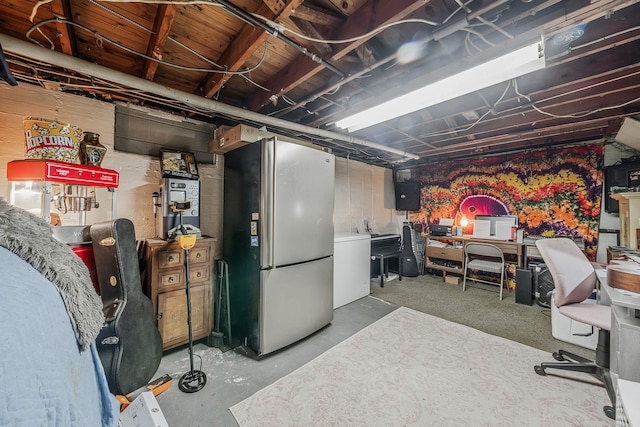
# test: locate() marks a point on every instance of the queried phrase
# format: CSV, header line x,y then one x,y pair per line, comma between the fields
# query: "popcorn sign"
x,y
50,139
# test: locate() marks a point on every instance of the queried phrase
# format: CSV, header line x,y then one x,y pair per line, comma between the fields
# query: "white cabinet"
x,y
351,267
625,342
625,330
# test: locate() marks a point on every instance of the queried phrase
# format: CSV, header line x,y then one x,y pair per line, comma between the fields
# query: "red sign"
x,y
56,171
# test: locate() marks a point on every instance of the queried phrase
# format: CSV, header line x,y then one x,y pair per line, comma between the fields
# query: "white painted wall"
x,y
362,191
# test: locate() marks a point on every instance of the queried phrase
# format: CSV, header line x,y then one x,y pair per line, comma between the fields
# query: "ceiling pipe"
x,y
29,50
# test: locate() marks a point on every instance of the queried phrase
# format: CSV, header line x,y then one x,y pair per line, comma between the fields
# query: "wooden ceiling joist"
x,y
364,19
65,33
245,45
165,16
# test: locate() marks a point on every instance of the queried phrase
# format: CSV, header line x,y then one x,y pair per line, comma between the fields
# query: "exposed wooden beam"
x,y
249,40
64,32
309,29
165,15
318,17
372,15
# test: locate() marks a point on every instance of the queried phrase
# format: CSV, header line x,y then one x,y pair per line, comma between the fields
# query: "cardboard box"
x,y
454,280
144,411
229,138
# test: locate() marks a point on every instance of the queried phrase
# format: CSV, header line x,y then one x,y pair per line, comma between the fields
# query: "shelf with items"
x,y
449,253
446,256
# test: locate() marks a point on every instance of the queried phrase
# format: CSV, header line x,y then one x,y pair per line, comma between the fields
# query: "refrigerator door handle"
x,y
267,204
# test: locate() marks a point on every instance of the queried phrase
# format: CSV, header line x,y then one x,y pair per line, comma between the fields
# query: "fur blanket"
x,y
31,238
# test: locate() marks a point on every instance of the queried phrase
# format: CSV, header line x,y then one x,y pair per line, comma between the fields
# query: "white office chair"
x,y
483,257
575,281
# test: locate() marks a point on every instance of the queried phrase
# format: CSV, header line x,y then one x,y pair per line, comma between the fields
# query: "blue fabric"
x,y
45,380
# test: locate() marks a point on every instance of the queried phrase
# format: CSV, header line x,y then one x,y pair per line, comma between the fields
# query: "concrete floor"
x,y
232,376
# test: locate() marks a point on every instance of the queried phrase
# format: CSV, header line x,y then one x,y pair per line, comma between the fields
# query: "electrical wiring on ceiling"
x,y
571,116
192,51
98,85
468,42
371,33
190,2
276,26
531,104
142,55
472,125
280,27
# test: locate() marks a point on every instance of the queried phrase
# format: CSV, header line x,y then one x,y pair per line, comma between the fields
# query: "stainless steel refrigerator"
x,y
278,242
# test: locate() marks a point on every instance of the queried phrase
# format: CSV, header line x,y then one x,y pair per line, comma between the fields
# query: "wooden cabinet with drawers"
x,y
165,284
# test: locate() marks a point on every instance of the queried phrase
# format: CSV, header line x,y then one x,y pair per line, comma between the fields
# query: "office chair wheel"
x,y
610,412
540,370
558,356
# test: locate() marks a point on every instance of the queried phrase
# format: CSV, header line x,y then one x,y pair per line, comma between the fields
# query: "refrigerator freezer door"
x,y
295,301
300,214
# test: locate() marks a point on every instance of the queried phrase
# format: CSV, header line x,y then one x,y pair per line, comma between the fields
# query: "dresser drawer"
x,y
199,273
199,254
171,258
170,279
452,254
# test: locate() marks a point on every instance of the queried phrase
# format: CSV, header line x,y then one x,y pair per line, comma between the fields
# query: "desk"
x,y
531,250
625,330
454,253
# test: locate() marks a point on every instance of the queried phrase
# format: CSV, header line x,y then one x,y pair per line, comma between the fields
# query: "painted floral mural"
x,y
553,192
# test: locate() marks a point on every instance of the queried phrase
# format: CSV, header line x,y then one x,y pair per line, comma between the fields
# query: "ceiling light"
x,y
503,68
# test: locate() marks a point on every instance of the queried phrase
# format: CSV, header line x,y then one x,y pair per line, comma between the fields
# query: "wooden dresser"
x,y
165,284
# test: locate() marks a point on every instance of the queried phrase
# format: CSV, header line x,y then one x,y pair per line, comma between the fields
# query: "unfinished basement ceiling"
x,y
290,62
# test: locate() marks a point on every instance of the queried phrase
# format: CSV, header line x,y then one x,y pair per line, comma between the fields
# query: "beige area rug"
x,y
413,369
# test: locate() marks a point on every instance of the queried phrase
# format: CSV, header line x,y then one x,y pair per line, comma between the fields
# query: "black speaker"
x,y
407,196
618,176
615,176
524,286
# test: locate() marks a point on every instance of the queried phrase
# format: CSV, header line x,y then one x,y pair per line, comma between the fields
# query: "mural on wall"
x,y
553,192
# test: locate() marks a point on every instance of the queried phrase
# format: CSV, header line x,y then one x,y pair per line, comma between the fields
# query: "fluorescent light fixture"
x,y
503,68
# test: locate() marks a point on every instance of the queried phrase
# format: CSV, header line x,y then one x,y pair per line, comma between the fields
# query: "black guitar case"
x,y
129,344
409,263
